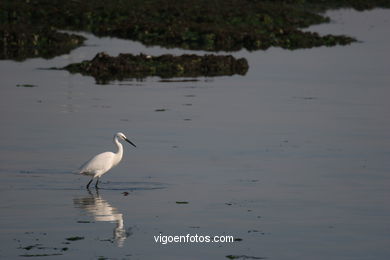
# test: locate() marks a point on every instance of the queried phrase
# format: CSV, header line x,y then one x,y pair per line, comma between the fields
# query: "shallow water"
x,y
292,158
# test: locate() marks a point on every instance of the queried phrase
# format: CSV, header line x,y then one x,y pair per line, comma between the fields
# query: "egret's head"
x,y
122,136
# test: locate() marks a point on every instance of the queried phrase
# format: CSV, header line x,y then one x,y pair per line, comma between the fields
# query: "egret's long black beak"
x,y
130,142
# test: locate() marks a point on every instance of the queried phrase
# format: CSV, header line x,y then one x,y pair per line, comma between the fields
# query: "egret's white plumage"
x,y
102,163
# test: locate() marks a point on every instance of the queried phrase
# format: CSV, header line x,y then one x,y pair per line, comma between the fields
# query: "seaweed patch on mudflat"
x,y
21,42
228,25
105,68
28,28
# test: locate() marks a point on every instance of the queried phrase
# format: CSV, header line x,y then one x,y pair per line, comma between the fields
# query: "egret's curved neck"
x,y
119,153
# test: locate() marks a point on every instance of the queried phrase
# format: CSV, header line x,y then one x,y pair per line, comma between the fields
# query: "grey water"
x,y
292,159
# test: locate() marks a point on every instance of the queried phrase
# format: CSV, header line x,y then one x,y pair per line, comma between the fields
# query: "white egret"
x,y
103,162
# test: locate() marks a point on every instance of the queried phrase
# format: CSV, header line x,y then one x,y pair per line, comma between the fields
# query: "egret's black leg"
x,y
89,183
96,185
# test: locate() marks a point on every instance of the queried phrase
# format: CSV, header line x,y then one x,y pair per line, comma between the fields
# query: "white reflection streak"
x,y
103,211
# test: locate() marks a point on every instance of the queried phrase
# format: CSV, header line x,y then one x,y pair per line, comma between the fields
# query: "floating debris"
x,y
244,257
178,80
26,85
39,255
74,238
31,247
39,247
306,98
182,202
105,68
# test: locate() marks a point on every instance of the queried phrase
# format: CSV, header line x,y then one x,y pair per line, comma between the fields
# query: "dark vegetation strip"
x,y
19,42
29,28
192,24
105,68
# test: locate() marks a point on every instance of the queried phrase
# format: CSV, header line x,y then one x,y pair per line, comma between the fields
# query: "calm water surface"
x,y
293,158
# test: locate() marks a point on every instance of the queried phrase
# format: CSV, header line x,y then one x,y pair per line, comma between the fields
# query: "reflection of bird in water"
x,y
103,211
